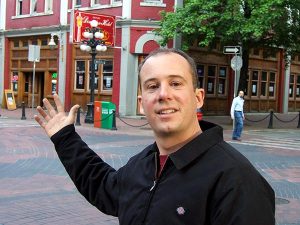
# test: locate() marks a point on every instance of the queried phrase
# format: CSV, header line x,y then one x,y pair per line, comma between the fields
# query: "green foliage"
x,y
248,23
251,23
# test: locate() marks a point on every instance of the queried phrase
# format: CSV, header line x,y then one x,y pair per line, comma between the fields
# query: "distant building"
x,y
66,69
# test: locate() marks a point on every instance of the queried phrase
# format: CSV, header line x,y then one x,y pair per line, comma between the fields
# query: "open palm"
x,y
52,121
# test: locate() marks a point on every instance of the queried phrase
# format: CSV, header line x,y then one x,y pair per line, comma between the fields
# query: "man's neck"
x,y
172,143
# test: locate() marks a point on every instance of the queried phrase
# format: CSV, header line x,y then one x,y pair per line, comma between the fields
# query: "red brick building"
x,y
66,69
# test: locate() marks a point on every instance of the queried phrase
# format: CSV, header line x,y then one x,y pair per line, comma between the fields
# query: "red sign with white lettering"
x,y
82,23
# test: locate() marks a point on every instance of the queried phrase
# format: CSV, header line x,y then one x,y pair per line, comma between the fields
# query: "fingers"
x,y
59,105
49,107
40,121
43,113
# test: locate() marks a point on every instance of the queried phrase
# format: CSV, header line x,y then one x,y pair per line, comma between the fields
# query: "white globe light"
x,y
104,48
99,35
86,34
94,23
91,35
88,48
99,48
83,47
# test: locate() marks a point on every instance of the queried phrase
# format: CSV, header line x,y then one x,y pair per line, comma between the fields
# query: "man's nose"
x,y
164,92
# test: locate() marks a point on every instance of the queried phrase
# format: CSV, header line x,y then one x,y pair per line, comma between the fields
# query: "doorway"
x,y
38,95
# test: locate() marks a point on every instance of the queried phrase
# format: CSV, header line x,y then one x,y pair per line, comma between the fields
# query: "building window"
x,y
19,8
107,75
77,3
96,2
254,83
263,84
272,83
298,86
16,44
292,84
25,44
33,7
14,81
211,80
222,80
79,75
200,73
294,90
48,5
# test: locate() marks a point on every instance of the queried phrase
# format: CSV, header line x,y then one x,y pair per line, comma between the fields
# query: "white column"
x,y
62,65
62,51
63,12
286,87
128,77
2,46
126,9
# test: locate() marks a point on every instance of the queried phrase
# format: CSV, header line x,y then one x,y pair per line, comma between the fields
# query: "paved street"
x,y
35,189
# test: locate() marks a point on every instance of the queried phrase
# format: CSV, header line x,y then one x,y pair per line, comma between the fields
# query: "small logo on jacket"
x,y
180,211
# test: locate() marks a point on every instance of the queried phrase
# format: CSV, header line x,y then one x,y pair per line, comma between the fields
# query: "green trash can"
x,y
107,117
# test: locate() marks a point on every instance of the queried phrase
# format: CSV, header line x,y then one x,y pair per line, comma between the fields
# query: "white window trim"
x,y
31,15
113,3
18,8
153,3
32,7
48,5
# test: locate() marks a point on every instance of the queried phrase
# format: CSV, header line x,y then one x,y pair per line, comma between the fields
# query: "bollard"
x,y
23,111
113,127
298,120
78,118
271,120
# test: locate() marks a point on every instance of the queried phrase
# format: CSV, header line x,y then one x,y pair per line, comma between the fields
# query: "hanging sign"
x,y
81,22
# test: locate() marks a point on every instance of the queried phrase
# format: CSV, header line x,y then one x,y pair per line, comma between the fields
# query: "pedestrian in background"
x,y
237,114
188,176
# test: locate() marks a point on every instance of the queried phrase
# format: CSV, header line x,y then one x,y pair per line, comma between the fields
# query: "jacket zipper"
x,y
151,190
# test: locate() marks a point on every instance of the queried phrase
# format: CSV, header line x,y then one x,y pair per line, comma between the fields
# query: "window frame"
x,y
84,76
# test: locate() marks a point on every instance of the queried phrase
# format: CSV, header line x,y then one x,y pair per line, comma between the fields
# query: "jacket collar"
x,y
211,135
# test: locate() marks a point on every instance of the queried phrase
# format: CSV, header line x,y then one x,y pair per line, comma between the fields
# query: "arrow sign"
x,y
232,49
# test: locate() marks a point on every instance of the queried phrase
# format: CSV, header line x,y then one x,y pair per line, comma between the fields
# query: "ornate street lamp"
x,y
92,44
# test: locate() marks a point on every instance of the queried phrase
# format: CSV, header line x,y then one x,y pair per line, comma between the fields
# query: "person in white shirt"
x,y
237,114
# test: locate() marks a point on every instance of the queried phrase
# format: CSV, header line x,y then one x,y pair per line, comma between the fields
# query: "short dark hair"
x,y
161,51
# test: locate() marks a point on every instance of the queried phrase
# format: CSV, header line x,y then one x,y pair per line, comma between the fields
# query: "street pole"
x,y
90,113
32,95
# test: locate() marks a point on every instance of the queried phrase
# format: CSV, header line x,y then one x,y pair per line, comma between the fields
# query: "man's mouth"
x,y
166,111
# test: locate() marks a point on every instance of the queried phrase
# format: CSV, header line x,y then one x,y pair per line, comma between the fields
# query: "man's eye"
x,y
175,83
152,86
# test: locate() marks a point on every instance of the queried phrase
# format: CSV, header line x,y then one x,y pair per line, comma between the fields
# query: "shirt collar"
x,y
211,135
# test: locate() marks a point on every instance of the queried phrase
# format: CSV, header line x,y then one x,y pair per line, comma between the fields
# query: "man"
x,y
237,114
189,176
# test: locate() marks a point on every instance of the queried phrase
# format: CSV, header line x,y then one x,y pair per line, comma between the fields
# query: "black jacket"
x,y
206,182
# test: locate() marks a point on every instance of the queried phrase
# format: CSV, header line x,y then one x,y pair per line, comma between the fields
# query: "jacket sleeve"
x,y
243,197
94,179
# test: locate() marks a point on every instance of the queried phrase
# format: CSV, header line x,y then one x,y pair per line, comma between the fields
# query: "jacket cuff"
x,y
62,134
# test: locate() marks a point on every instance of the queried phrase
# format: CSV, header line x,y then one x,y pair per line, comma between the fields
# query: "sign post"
x,y
33,56
236,63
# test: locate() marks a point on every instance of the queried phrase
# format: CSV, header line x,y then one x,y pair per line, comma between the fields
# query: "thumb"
x,y
74,110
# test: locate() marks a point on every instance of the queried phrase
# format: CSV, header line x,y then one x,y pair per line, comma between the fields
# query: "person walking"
x,y
237,114
189,175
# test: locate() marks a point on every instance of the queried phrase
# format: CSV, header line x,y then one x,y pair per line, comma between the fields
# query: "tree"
x,y
249,23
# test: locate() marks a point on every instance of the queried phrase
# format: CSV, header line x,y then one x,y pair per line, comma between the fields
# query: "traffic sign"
x,y
236,62
232,50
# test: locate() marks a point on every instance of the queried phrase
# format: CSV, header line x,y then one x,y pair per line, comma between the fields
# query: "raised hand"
x,y
52,121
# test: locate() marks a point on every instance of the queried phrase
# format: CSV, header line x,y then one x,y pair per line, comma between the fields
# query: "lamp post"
x,y
92,44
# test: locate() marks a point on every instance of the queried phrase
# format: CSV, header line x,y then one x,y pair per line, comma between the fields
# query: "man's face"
x,y
241,94
168,98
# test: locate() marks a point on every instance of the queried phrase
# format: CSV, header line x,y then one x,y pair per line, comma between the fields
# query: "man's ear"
x,y
141,109
200,97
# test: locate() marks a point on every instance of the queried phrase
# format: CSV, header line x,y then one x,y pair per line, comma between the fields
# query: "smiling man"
x,y
189,176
